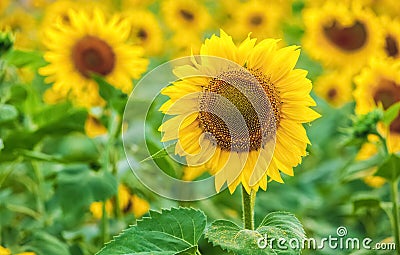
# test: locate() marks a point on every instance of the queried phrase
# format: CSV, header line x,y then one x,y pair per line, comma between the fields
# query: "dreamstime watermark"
x,y
339,242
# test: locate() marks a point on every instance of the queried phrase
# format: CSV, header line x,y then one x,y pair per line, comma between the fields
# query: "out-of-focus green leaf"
x,y
275,225
362,168
170,232
367,202
391,113
78,187
390,169
21,58
7,113
77,148
43,243
114,97
164,152
60,118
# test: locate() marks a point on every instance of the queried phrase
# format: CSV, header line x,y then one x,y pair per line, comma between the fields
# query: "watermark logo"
x,y
338,242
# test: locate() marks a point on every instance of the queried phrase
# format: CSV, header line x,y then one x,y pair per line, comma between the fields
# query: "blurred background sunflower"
x,y
76,50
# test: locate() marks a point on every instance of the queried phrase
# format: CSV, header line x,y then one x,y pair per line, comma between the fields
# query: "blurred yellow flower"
x,y
145,31
139,206
96,208
340,35
135,4
391,34
368,150
185,15
5,251
93,127
374,181
335,87
184,43
127,202
23,25
379,85
3,5
225,157
383,7
260,17
90,43
58,11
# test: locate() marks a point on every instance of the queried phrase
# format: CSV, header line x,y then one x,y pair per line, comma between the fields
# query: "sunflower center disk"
x,y
142,34
93,55
256,20
347,38
187,15
388,94
391,46
239,110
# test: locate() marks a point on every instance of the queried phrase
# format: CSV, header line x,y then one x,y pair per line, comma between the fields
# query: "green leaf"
x,y
60,118
390,168
367,202
21,58
115,98
85,184
362,168
164,152
170,232
233,238
7,113
391,113
45,244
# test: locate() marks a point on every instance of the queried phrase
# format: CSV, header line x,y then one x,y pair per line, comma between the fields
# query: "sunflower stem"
x,y
114,130
248,202
104,224
395,211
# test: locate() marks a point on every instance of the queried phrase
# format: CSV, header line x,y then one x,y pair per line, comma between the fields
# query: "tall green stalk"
x,y
248,202
395,212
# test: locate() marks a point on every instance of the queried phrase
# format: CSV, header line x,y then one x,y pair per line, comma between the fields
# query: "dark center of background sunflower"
x,y
186,15
349,38
391,47
256,20
93,55
332,93
261,124
142,34
388,93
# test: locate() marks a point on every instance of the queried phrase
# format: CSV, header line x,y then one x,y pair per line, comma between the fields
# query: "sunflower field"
x,y
165,127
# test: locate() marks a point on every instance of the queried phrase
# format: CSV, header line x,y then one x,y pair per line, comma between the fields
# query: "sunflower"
x,y
3,5
6,251
184,43
127,202
145,30
93,127
391,35
341,35
378,85
231,155
335,87
185,15
58,10
23,25
261,18
90,43
129,4
383,7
